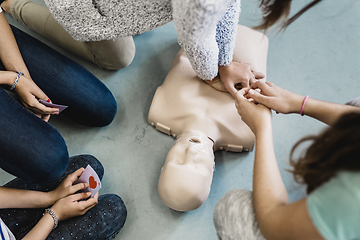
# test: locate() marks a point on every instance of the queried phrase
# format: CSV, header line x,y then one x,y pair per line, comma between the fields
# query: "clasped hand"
x,y
67,202
254,103
238,73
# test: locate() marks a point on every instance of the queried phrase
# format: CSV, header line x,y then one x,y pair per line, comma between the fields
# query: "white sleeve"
x,y
226,33
5,232
196,23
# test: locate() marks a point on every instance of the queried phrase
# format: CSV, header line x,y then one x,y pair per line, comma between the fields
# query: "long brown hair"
x,y
275,10
336,149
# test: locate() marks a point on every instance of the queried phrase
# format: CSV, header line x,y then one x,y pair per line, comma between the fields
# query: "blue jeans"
x,y
30,148
102,222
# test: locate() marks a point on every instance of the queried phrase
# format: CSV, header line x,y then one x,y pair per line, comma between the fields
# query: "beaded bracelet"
x,y
51,212
16,80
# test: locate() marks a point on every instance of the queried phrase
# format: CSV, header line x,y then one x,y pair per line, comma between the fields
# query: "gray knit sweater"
x,y
206,28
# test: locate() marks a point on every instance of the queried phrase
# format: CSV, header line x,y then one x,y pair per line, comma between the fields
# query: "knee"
x,y
122,54
53,161
234,215
105,111
239,198
94,105
117,62
58,165
115,217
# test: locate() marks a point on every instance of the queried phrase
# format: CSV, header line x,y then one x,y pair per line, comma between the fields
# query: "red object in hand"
x,y
92,182
48,100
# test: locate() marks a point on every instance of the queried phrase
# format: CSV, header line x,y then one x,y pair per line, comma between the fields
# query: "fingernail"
x,y
88,193
48,100
252,92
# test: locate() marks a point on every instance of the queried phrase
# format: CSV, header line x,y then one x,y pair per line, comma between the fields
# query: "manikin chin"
x,y
186,176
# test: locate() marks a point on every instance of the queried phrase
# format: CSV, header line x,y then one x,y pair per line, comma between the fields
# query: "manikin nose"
x,y
189,153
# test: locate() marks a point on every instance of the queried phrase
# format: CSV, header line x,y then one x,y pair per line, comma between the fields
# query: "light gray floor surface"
x,y
318,55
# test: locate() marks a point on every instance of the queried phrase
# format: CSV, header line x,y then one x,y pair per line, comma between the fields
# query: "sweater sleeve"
x,y
197,23
226,33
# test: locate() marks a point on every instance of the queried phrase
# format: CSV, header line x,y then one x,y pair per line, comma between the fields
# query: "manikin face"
x,y
186,176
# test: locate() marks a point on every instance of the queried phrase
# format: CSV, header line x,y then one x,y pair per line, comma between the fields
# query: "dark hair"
x,y
274,10
334,150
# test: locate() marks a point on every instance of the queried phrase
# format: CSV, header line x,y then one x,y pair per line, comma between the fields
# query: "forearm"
x,y
196,23
327,112
283,101
9,51
42,229
226,33
7,77
268,188
19,198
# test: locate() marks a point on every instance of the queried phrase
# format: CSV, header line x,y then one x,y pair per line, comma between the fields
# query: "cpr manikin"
x,y
204,120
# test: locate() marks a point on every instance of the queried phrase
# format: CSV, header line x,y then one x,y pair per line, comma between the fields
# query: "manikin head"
x,y
186,176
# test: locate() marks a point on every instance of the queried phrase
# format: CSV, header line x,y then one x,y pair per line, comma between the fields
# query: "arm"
x,y
9,51
65,208
67,203
327,112
231,72
226,33
196,23
207,32
276,217
42,229
19,198
283,101
26,89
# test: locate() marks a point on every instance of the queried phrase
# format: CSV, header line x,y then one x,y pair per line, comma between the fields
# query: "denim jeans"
x,y
102,222
31,148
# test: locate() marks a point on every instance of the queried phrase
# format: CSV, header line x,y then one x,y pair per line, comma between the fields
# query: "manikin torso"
x,y
188,107
184,102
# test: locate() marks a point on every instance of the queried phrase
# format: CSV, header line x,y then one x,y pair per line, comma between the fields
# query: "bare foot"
x,y
6,6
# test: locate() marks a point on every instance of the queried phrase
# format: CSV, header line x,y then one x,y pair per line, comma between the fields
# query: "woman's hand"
x,y
29,94
276,98
256,116
67,187
238,73
72,205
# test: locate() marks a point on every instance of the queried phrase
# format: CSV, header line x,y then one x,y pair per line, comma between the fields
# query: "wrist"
x,y
50,212
51,198
263,127
8,77
57,212
296,103
223,67
303,105
18,75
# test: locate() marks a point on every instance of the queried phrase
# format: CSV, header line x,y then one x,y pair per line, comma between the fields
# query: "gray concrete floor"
x,y
318,55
